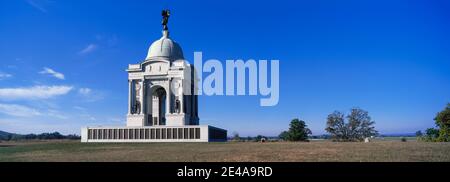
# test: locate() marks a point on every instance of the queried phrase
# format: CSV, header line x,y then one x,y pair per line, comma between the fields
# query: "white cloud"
x,y
18,110
84,91
38,5
52,73
89,95
88,49
56,114
25,111
35,92
4,75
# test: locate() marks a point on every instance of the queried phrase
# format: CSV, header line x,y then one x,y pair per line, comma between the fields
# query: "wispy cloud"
x,y
12,66
88,117
107,40
84,91
88,49
18,110
56,114
35,92
4,76
79,108
116,120
53,73
39,5
89,95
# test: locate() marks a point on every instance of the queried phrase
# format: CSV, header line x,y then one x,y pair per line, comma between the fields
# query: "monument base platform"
x,y
188,133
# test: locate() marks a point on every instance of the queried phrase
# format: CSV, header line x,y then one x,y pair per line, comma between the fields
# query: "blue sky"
x,y
62,63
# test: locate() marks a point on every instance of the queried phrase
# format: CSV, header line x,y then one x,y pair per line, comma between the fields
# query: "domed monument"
x,y
162,100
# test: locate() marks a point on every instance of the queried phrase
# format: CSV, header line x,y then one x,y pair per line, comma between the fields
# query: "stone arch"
x,y
159,101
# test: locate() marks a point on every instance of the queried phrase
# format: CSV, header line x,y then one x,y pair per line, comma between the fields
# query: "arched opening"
x,y
159,97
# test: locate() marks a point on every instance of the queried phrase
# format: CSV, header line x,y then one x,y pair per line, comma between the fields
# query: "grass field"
x,y
386,150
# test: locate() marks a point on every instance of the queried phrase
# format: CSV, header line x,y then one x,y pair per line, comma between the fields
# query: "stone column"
x,y
130,82
192,98
168,98
130,97
149,101
141,99
181,96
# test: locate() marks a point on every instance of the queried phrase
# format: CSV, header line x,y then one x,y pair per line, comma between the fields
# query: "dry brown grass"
x,y
322,151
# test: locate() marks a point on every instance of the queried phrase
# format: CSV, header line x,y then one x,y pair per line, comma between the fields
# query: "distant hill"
x,y
43,136
6,135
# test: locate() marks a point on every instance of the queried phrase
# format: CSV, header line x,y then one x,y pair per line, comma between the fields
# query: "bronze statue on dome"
x,y
165,14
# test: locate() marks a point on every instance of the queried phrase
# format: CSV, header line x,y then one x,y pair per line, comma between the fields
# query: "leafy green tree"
x,y
442,132
284,135
298,131
259,137
419,133
359,125
442,120
431,135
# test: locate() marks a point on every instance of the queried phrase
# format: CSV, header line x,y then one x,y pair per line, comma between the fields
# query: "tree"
x,y
236,136
42,136
359,125
336,126
442,121
258,138
419,133
298,131
431,135
284,135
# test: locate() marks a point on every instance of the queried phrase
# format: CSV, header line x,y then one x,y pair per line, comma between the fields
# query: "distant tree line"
x,y
356,126
442,131
237,138
42,136
359,125
324,136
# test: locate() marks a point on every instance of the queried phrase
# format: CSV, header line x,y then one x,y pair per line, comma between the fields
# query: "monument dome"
x,y
165,48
